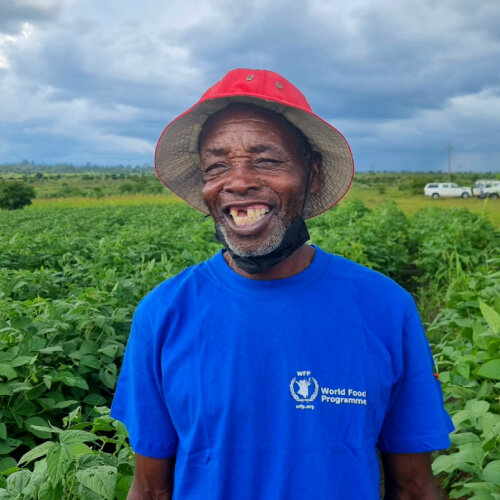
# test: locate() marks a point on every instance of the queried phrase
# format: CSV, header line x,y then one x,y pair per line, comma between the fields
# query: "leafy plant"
x,y
468,359
73,464
71,278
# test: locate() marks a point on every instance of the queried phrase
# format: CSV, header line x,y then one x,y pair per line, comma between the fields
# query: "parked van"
x,y
446,190
486,188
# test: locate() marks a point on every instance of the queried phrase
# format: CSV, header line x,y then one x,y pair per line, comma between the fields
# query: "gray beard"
x,y
263,249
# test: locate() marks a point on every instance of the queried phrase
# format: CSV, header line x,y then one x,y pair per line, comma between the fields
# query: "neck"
x,y
292,265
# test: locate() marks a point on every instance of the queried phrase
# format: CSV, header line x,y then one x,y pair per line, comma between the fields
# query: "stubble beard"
x,y
257,249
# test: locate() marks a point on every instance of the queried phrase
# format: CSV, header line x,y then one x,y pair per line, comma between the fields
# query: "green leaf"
x,y
490,369
79,449
464,437
471,453
463,369
100,479
478,408
482,491
444,463
65,404
46,403
109,350
7,371
108,375
491,316
8,445
5,390
94,399
38,477
74,416
46,428
40,451
58,462
461,416
3,431
469,458
25,407
73,381
21,360
491,473
18,481
51,349
91,362
47,380
123,487
21,323
48,491
480,337
488,422
39,422
7,463
18,387
73,437
464,322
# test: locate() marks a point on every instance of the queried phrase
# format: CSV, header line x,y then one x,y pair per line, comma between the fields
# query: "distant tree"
x,y
129,187
98,192
14,195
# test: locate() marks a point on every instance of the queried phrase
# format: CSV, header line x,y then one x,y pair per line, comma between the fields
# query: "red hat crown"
x,y
258,83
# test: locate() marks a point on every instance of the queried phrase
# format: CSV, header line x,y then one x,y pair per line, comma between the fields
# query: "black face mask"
x,y
295,236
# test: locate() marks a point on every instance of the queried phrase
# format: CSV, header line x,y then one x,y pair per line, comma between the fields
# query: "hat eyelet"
x,y
279,85
250,77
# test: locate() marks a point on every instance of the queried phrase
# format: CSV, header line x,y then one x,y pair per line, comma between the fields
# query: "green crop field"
x,y
72,271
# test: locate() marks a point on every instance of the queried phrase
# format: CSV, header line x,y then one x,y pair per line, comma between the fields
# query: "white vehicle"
x,y
446,190
486,188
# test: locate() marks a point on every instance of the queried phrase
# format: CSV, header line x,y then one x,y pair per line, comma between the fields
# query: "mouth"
x,y
247,219
244,216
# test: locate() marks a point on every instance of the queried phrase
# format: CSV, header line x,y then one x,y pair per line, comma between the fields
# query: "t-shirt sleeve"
x,y
139,402
415,421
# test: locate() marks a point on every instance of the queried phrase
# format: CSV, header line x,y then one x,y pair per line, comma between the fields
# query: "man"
x,y
273,370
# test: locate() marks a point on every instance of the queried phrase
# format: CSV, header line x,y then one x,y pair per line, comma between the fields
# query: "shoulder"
x,y
368,292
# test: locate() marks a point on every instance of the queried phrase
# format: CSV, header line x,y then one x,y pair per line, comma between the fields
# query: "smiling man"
x,y
273,370
255,186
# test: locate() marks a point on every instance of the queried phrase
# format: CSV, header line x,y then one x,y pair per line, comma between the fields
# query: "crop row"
x,y
70,280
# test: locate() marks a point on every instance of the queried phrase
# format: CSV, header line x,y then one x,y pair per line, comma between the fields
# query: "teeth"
x,y
253,215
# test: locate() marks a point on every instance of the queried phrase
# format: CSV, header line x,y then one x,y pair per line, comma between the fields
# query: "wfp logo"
x,y
304,388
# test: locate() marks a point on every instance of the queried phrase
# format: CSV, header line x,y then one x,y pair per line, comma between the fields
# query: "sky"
x,y
93,81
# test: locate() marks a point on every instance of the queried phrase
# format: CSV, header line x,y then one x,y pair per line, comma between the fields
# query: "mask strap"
x,y
308,182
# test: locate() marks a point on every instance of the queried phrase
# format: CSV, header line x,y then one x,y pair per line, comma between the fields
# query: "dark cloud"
x,y
399,79
385,65
14,13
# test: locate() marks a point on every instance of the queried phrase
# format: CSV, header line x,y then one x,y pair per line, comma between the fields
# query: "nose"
x,y
241,179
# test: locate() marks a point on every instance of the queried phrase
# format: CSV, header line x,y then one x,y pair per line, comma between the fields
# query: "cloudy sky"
x,y
96,81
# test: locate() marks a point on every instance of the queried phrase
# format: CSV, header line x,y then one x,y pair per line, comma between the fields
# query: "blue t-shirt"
x,y
279,389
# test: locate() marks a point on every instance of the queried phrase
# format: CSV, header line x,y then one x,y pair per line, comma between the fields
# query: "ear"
x,y
316,177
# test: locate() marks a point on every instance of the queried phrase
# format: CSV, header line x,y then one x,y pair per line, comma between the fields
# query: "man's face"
x,y
254,178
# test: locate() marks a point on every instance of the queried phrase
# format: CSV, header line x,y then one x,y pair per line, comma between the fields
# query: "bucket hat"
x,y
177,161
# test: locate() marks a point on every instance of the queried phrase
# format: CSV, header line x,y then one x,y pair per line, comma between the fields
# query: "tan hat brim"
x,y
177,161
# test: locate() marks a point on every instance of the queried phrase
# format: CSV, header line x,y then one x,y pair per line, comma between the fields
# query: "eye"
x,y
267,162
214,169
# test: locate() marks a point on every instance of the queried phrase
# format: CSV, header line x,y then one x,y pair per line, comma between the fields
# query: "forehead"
x,y
246,120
